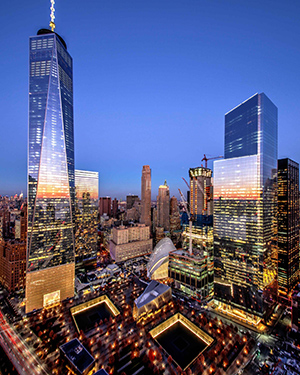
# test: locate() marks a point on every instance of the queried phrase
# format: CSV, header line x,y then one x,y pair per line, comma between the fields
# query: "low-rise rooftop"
x,y
78,356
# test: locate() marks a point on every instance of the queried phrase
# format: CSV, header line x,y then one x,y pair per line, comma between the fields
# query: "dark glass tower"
x,y
288,227
86,215
245,238
50,262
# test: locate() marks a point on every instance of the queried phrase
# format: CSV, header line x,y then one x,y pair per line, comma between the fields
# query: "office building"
x,y
87,182
288,227
163,207
51,188
86,217
175,223
295,318
200,193
4,222
12,264
159,234
130,242
146,196
13,255
245,202
130,200
105,206
192,273
115,204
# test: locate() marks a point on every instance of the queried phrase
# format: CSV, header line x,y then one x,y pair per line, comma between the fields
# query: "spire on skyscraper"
x,y
52,16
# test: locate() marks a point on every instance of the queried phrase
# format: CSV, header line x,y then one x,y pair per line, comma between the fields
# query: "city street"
x,y
24,360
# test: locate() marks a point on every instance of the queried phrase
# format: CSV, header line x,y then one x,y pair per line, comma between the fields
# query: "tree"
x,y
159,357
151,355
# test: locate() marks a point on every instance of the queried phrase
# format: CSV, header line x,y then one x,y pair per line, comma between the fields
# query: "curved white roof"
x,y
160,255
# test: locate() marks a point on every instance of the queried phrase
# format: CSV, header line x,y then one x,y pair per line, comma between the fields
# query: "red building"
x,y
105,206
13,257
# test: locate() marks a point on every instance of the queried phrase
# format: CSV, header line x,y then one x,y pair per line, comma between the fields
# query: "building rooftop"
x,y
76,353
101,372
153,290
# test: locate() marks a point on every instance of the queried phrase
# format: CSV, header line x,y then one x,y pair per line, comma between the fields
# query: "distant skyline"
x,y
152,83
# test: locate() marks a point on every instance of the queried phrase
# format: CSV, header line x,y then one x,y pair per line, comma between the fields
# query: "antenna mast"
x,y
52,16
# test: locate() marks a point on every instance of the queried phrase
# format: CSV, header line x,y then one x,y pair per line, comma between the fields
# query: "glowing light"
x,y
52,16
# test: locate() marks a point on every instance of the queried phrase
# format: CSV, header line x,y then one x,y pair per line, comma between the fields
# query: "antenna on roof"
x,y
52,16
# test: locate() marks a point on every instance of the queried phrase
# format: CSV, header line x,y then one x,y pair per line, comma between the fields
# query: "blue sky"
x,y
152,82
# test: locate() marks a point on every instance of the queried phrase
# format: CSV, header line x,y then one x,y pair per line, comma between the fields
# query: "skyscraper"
x,y
175,224
245,239
86,217
115,204
105,206
200,183
87,182
288,227
146,195
163,207
130,200
50,267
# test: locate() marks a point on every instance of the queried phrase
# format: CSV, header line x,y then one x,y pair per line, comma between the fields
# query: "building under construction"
x,y
201,193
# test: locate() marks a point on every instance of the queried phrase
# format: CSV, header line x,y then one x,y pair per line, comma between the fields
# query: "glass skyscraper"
x,y
50,260
245,201
86,215
288,227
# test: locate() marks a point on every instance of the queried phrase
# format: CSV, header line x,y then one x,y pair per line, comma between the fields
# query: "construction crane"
x,y
213,158
190,221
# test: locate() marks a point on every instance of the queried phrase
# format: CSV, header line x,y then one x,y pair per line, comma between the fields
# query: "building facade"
x,y
105,206
288,227
146,196
130,242
51,188
192,273
245,203
13,255
130,200
295,302
86,217
12,264
115,204
163,207
201,192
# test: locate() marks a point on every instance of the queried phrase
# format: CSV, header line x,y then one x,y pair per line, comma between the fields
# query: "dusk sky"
x,y
152,82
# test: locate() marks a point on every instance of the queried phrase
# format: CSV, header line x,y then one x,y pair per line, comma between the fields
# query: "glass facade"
x,y
86,217
288,227
245,201
50,154
192,274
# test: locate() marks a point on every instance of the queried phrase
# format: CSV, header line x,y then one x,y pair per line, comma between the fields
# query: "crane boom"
x,y
213,158
186,183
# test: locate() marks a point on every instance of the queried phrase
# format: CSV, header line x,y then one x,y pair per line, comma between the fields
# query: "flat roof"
x,y
77,355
